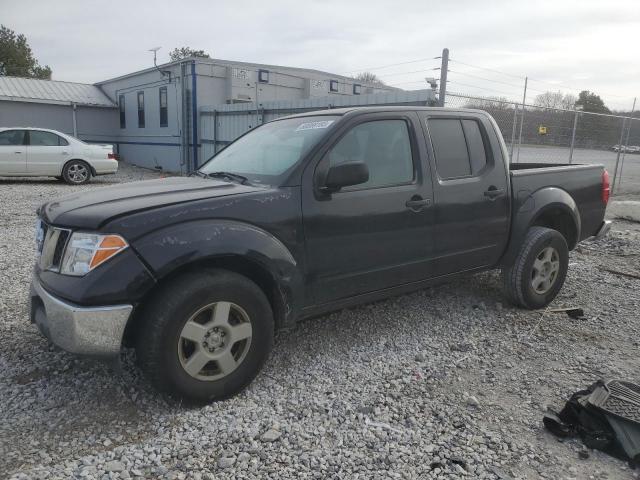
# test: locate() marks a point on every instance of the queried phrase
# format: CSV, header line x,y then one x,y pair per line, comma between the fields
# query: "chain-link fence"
x,y
546,135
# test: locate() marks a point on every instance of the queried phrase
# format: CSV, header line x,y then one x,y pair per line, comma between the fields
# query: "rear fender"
x,y
529,207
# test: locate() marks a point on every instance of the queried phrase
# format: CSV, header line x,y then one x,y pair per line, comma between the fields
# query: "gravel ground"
x,y
444,383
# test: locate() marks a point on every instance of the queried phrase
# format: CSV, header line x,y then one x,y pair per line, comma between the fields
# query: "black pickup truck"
x,y
301,216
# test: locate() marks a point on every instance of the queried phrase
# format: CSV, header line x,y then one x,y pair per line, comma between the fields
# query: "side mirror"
x,y
345,175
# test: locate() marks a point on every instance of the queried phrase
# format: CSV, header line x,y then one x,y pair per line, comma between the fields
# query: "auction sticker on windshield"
x,y
314,125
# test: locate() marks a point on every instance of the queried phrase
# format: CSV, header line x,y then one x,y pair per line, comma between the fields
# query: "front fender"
x,y
168,249
530,206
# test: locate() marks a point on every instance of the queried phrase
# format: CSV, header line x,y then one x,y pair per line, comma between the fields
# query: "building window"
x,y
333,85
357,89
123,117
163,106
263,76
140,109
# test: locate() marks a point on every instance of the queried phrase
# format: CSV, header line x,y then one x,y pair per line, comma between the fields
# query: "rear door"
x,y
13,152
46,153
471,191
378,234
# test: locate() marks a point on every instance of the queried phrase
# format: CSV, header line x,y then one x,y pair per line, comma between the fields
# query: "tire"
x,y
76,172
538,272
177,314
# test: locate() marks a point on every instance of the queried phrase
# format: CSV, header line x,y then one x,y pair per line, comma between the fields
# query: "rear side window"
x,y
458,147
38,138
384,145
475,143
12,137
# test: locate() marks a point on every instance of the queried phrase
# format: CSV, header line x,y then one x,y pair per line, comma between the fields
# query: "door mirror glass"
x,y
345,175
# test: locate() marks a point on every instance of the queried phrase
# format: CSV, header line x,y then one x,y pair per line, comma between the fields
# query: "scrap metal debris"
x,y
606,416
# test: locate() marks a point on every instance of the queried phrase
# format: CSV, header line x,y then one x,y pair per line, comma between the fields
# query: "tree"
x,y
16,58
590,102
490,104
368,77
186,52
565,101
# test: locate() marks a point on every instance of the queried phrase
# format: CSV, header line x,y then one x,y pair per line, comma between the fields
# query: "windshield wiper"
x,y
198,173
228,175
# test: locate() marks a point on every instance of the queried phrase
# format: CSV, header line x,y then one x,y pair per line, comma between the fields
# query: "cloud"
x,y
584,42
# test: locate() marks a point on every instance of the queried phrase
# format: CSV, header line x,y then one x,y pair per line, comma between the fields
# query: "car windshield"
x,y
267,154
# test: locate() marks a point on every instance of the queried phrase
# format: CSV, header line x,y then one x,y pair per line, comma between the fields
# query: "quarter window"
x,y
38,138
12,137
140,109
458,147
163,107
384,145
123,117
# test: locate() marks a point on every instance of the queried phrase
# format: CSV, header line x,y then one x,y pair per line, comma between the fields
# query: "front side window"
x,y
12,137
39,138
384,145
163,107
121,107
266,154
140,109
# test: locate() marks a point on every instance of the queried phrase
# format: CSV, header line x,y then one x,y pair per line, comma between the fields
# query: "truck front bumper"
x,y
94,331
604,229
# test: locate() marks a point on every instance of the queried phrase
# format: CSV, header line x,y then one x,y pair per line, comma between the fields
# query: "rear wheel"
x,y
76,172
205,335
538,272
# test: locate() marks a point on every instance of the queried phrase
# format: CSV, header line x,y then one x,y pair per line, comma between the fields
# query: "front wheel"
x,y
538,272
76,172
205,335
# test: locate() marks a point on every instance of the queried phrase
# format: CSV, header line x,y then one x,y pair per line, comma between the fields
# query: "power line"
x,y
487,79
521,77
390,65
479,88
407,73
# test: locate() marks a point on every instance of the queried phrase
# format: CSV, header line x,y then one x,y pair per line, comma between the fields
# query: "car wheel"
x,y
538,272
205,335
76,172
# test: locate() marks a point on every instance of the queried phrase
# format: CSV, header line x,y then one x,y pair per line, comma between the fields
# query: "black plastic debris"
x,y
606,416
573,312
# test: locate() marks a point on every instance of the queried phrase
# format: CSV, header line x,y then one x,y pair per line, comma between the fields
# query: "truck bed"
x,y
582,182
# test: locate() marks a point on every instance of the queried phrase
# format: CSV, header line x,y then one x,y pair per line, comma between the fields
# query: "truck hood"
x,y
91,209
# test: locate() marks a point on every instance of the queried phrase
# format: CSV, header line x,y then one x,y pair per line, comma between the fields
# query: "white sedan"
x,y
38,152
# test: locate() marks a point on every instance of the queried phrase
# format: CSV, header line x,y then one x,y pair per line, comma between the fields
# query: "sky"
x,y
566,45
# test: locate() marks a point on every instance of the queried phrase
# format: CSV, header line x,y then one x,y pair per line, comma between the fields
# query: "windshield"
x,y
267,154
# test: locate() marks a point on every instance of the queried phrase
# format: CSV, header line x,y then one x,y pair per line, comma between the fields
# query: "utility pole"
x,y
524,99
444,68
626,143
573,133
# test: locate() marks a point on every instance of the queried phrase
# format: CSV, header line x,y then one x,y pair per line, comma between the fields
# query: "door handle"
x,y
493,193
416,203
20,151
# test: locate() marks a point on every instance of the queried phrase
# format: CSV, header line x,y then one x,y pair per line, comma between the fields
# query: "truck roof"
x,y
385,108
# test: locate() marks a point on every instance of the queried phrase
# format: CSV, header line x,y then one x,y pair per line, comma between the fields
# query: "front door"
x,y
378,234
13,152
46,153
471,191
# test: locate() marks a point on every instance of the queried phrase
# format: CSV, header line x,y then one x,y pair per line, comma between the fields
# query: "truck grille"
x,y
51,242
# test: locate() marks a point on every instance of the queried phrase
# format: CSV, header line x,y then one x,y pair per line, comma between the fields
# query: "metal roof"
x,y
53,92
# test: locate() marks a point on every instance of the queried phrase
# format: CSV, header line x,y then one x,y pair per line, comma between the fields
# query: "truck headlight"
x,y
85,251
